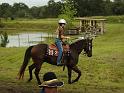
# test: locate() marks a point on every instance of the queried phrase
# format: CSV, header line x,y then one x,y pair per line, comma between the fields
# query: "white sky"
x,y
30,3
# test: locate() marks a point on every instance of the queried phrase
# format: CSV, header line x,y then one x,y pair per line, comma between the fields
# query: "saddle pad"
x,y
53,50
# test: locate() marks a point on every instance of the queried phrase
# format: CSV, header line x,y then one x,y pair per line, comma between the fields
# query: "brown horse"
x,y
39,55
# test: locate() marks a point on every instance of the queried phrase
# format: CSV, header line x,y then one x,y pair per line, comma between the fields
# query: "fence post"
x,y
28,40
19,40
41,37
48,37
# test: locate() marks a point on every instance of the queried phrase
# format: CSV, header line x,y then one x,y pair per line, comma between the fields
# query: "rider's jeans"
x,y
58,43
42,91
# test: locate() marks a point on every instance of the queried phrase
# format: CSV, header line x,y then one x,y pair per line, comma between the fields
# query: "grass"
x,y
112,19
102,73
28,25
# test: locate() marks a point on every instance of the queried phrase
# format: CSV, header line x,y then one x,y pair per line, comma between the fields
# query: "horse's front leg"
x,y
69,74
75,68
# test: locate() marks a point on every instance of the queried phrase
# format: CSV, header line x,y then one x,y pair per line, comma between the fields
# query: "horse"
x,y
39,55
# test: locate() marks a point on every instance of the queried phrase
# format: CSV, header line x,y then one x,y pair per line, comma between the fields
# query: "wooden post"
x,y
19,40
102,27
80,25
41,37
90,24
28,41
95,24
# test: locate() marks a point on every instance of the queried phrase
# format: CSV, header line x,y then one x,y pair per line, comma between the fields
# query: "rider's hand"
x,y
67,37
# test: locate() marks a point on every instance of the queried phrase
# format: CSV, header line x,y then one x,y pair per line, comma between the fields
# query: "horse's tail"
x,y
25,62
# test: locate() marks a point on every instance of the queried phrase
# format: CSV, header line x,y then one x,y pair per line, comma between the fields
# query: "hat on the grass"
x,y
50,80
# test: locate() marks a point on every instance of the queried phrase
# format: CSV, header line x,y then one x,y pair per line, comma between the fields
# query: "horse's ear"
x,y
91,39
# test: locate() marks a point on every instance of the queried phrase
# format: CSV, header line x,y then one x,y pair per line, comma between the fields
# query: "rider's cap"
x,y
62,21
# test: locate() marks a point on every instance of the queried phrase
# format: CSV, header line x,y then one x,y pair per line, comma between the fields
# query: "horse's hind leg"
x,y
75,68
37,70
31,67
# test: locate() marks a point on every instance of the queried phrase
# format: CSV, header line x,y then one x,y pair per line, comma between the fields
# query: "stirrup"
x,y
60,64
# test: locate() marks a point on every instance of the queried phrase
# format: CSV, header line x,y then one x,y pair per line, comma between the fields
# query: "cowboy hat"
x,y
50,80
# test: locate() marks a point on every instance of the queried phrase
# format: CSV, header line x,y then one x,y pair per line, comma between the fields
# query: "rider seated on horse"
x,y
59,39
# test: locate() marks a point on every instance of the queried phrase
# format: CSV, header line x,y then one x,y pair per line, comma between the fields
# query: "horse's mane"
x,y
76,43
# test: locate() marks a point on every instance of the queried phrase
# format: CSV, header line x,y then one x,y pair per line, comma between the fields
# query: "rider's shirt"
x,y
60,32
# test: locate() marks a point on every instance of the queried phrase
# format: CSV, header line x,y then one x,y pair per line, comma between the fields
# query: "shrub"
x,y
3,39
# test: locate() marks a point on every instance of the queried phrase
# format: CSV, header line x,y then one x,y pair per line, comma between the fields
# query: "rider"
x,y
60,36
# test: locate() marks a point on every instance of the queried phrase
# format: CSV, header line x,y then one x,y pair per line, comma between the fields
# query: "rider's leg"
x,y
59,46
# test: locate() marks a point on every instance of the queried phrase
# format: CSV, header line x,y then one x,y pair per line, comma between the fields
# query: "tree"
x,y
118,8
95,7
88,7
3,39
50,10
34,11
5,10
20,9
68,12
42,12
118,0
107,7
53,8
66,9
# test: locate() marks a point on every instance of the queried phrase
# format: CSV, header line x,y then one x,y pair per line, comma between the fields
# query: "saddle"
x,y
53,50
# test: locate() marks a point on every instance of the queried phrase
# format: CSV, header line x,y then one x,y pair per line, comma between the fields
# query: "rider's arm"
x,y
64,37
61,34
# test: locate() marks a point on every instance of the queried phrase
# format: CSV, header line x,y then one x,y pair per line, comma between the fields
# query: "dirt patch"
x,y
10,89
17,88
13,87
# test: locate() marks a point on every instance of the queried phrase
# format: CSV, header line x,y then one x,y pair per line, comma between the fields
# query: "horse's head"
x,y
82,44
88,47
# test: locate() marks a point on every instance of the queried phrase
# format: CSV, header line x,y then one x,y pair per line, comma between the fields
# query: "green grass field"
x,y
102,73
28,25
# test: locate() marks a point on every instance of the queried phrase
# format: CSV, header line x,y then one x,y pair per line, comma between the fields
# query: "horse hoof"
x,y
29,80
69,82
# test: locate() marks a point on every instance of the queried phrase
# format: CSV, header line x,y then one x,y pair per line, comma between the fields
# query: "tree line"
x,y
53,9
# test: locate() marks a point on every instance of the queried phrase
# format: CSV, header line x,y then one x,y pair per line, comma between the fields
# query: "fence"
x,y
27,39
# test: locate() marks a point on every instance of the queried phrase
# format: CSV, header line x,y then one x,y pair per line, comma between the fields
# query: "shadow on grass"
x,y
93,90
19,89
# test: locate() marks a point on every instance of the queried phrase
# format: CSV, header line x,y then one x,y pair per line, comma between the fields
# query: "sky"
x,y
30,3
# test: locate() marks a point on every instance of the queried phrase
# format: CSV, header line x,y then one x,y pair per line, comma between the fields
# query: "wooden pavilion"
x,y
95,26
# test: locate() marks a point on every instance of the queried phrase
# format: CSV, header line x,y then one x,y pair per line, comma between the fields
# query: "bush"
x,y
115,19
4,39
112,19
